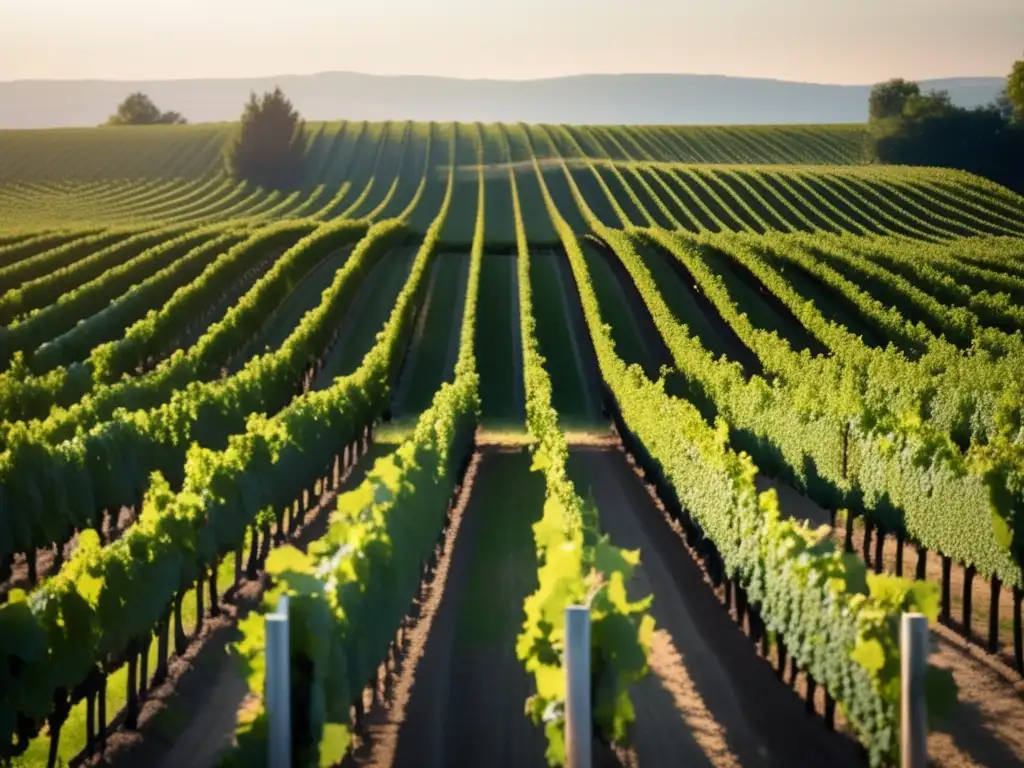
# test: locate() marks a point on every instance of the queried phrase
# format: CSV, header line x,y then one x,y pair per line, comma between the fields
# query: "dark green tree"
x,y
1003,105
928,129
888,99
1015,90
139,109
267,147
931,104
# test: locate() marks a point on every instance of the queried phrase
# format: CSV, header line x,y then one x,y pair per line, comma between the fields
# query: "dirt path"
x,y
987,726
709,700
460,690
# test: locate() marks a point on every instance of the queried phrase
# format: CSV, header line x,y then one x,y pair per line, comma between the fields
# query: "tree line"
x,y
266,148
908,127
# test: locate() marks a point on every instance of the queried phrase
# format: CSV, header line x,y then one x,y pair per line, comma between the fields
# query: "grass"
x,y
499,223
428,364
570,395
497,319
367,315
615,311
531,202
507,500
303,298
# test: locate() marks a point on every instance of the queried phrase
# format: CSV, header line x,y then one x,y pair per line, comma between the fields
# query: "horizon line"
x,y
549,78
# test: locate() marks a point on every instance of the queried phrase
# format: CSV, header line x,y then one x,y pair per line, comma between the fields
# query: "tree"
x,y
888,99
931,104
139,109
1003,105
1015,90
267,148
928,129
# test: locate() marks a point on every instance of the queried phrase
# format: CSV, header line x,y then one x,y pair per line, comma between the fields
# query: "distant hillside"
x,y
57,155
583,99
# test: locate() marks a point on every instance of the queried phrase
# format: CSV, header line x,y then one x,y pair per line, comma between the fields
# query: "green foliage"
x,y
911,128
54,487
51,305
1015,90
347,597
578,566
917,425
268,145
139,109
818,600
109,595
889,99
929,485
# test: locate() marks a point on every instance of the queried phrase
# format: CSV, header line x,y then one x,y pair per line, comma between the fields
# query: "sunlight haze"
x,y
826,41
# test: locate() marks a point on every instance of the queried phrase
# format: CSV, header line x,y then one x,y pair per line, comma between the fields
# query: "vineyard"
x,y
750,397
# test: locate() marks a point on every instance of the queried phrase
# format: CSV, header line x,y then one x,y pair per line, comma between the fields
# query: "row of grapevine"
x,y
762,200
863,446
111,361
111,152
577,566
110,323
189,152
840,624
354,169
111,612
24,396
350,594
58,304
55,487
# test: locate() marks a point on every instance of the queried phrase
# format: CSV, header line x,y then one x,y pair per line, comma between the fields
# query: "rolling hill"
x,y
582,99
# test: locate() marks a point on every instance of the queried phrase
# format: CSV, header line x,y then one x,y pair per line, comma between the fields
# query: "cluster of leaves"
x,y
56,485
139,109
840,627
577,566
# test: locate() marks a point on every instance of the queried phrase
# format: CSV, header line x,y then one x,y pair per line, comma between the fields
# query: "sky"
x,y
823,41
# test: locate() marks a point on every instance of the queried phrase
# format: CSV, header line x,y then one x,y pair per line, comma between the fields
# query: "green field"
x,y
749,306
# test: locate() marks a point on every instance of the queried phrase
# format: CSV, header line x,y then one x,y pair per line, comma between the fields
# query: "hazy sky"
x,y
829,41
